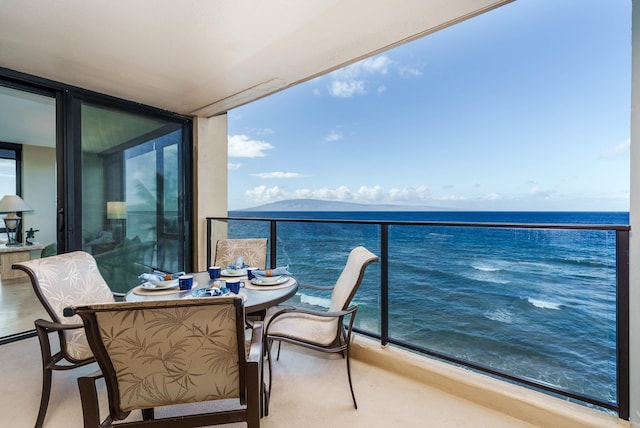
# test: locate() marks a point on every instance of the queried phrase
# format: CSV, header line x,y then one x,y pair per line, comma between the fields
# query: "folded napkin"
x,y
284,270
239,264
156,275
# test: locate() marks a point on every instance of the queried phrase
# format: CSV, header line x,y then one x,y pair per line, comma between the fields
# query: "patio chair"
x,y
253,251
323,331
60,281
168,353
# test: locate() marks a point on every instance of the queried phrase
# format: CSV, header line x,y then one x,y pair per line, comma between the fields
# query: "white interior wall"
x,y
39,191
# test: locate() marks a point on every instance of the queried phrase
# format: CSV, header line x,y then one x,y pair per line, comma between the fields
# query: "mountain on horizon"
x,y
323,205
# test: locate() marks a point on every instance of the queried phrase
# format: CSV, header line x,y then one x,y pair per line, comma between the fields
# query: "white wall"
x,y
210,179
39,191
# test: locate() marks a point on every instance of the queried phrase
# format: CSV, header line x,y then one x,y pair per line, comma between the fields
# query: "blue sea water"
x,y
537,303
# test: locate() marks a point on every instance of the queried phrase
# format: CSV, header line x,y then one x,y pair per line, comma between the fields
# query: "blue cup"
x,y
234,287
250,272
185,282
214,272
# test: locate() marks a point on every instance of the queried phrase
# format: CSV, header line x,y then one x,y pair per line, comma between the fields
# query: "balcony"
x,y
539,305
394,388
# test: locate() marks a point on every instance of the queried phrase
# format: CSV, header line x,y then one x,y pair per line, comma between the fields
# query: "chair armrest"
x,y
316,312
325,314
56,325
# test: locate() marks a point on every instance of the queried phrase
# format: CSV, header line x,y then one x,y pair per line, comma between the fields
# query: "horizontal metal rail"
x,y
621,406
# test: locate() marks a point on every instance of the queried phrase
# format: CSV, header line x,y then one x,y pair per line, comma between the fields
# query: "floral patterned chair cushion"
x,y
160,353
66,280
252,251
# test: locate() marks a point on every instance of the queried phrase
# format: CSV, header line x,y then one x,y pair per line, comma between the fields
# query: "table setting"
x,y
258,288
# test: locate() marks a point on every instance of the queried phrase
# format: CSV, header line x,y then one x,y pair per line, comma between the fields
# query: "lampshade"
x,y
13,203
116,210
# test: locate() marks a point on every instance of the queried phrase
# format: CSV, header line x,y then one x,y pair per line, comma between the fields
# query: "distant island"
x,y
323,205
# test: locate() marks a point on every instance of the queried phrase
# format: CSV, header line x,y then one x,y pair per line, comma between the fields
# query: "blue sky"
x,y
525,107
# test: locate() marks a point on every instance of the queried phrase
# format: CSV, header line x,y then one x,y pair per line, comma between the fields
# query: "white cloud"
x,y
364,194
333,136
262,194
346,89
622,148
234,166
241,146
278,174
409,195
408,72
350,80
354,79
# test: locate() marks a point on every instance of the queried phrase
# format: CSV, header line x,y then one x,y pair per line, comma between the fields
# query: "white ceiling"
x,y
204,57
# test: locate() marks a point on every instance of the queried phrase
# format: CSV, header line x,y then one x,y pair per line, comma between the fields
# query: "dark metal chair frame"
x,y
250,369
51,361
342,341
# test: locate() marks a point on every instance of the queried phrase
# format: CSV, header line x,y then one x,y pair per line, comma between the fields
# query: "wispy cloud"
x,y
364,194
622,148
278,174
234,166
333,136
351,80
242,146
354,79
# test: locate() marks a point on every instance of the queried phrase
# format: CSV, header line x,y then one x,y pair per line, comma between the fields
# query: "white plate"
x,y
269,280
233,272
161,285
209,292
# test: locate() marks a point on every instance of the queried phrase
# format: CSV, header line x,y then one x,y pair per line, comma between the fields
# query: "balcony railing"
x,y
543,305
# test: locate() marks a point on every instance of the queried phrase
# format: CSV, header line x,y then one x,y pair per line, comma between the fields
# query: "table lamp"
x,y
12,204
117,214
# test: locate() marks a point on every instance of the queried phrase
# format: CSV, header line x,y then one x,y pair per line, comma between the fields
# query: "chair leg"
x,y
44,397
89,402
45,352
148,414
268,344
353,395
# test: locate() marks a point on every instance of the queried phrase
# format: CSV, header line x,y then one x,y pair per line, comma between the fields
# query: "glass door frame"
x,y
70,179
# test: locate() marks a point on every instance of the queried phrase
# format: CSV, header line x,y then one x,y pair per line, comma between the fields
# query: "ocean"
x,y
535,303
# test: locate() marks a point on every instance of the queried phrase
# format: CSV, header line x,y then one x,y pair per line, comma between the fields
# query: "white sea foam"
x,y
543,304
485,267
315,301
504,316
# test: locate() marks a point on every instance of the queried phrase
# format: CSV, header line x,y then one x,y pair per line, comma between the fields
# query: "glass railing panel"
x,y
317,252
535,303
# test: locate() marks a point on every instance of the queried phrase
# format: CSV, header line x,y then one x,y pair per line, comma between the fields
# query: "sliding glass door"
x,y
133,213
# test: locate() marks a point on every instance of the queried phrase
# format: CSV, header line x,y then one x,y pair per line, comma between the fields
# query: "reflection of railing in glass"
x,y
532,303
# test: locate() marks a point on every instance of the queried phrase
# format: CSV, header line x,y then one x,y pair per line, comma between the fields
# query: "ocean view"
x,y
536,303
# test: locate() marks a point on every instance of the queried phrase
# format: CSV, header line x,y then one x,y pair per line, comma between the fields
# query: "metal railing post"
x,y
273,233
384,283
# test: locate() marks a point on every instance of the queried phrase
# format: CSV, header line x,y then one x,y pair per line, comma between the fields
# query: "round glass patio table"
x,y
258,298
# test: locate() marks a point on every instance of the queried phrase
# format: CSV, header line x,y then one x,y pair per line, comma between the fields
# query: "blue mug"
x,y
214,272
234,287
186,282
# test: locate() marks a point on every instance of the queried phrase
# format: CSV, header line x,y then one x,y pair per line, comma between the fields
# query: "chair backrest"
x,y
159,353
253,251
350,278
66,280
